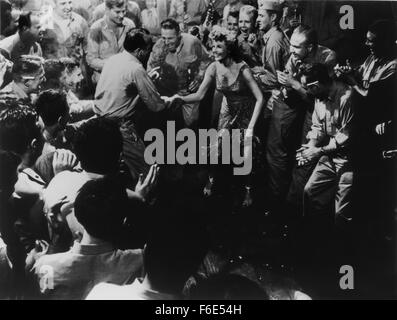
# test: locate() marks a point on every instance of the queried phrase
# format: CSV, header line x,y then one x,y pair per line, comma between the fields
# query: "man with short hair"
x,y
232,22
133,12
275,52
329,140
66,74
107,35
375,85
171,256
70,31
101,207
231,6
98,146
25,41
53,110
28,74
123,84
20,138
186,60
291,116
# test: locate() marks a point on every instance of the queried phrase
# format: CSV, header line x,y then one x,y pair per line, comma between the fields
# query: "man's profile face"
x,y
298,47
63,8
314,88
171,39
117,14
34,84
264,20
371,42
36,28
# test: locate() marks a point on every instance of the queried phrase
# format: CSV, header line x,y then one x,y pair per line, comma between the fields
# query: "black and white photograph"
x,y
198,153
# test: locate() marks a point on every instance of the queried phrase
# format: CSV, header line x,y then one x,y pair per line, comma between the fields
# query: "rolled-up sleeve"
x,y
317,131
147,90
342,136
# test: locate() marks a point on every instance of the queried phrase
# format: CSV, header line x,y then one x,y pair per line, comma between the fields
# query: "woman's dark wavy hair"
x,y
232,47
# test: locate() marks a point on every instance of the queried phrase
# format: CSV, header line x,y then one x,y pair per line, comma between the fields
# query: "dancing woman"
x,y
234,79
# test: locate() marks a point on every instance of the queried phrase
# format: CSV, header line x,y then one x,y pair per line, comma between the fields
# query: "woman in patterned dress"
x,y
234,79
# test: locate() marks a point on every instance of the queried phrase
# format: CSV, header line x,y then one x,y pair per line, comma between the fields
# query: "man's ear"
x,y
26,82
60,120
34,144
310,48
273,17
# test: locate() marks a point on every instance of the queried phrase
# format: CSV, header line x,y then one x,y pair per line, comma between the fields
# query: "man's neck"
x,y
90,240
26,40
111,24
148,286
61,18
22,87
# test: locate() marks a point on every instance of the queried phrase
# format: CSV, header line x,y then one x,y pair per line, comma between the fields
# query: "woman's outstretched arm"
x,y
258,96
205,85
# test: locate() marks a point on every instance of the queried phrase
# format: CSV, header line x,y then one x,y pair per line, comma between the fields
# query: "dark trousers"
x,y
329,189
284,138
133,152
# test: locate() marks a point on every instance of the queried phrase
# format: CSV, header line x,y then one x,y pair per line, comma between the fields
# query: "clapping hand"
x,y
154,74
145,187
307,154
40,249
64,160
286,79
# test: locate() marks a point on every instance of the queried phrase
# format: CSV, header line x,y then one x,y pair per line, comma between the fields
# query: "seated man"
x,y
331,181
171,256
100,207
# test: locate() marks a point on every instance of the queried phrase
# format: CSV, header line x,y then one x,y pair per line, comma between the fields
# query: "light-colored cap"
x,y
273,5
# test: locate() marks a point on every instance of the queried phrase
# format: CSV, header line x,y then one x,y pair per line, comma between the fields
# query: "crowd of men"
x,y
84,216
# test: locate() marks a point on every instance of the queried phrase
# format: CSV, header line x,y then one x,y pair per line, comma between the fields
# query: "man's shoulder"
x,y
52,262
98,25
326,54
189,39
7,43
133,255
345,92
8,89
107,291
129,23
78,18
63,184
160,44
